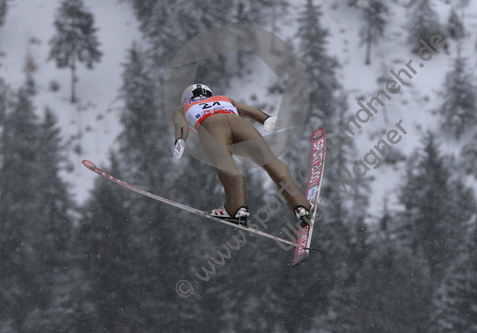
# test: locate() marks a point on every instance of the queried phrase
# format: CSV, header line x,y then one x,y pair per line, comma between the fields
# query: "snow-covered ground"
x,y
415,102
29,27
27,30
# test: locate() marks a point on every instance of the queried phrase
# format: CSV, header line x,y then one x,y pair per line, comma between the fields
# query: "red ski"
x,y
317,164
93,167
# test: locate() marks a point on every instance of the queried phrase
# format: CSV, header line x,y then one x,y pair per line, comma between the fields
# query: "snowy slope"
x,y
94,116
413,104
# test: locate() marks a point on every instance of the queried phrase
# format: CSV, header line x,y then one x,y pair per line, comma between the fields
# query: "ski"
x,y
90,165
317,164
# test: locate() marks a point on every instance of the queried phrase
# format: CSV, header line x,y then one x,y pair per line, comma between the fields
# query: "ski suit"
x,y
223,132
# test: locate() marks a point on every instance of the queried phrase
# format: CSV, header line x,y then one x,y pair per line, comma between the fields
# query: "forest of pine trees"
x,y
111,264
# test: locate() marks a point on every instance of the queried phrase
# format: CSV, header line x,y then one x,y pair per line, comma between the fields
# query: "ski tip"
x,y
89,164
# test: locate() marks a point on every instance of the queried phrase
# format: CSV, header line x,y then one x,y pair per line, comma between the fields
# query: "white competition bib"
x,y
197,110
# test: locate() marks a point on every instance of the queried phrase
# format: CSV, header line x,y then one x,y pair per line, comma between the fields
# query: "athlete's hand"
x,y
179,148
269,124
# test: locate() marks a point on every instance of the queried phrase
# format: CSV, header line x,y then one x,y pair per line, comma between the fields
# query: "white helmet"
x,y
196,90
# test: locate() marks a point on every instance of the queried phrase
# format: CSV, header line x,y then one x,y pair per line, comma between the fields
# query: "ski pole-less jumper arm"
x,y
180,124
250,112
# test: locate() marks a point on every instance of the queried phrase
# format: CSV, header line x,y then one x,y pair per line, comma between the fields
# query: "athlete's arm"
x,y
250,112
180,124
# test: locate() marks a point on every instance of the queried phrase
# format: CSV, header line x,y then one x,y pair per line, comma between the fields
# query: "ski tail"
x,y
317,164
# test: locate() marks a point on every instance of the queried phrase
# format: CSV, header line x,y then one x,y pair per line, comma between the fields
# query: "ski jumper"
x,y
223,132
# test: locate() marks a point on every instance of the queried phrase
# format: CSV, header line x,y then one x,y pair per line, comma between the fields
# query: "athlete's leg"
x,y
280,174
215,135
249,142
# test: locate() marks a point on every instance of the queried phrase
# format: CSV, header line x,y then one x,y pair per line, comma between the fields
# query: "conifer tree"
x,y
144,135
319,66
35,213
374,14
55,202
338,232
159,22
342,229
248,263
431,225
4,93
30,67
455,28
110,257
423,23
394,291
75,39
455,301
145,159
3,11
459,107
58,271
469,157
322,82
18,207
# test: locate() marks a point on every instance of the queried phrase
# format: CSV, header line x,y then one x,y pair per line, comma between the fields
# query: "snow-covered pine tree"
x,y
258,12
342,231
75,39
322,82
336,231
3,11
455,23
455,28
423,23
144,136
394,291
53,234
468,157
376,286
319,66
55,201
145,161
169,25
268,290
459,107
430,225
29,68
30,83
18,209
110,258
4,93
455,301
374,15
34,210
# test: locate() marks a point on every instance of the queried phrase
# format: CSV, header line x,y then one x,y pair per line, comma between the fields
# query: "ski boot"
x,y
239,218
303,215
